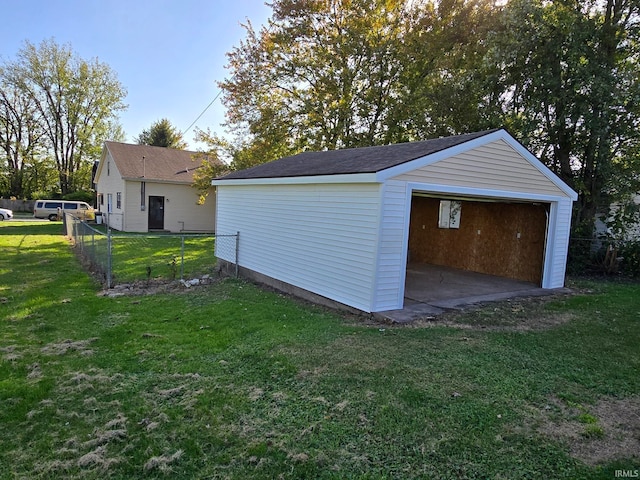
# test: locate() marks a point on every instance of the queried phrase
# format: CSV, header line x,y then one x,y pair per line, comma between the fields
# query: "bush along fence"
x,y
604,256
121,258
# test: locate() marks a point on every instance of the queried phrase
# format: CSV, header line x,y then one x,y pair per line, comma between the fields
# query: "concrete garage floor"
x,y
432,289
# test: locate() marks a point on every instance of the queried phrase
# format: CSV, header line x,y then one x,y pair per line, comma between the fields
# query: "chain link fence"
x,y
604,256
119,258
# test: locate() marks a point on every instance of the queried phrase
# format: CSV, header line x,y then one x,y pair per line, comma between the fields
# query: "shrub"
x,y
630,258
81,196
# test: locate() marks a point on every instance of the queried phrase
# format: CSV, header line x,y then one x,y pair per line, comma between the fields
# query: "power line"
x,y
202,113
268,31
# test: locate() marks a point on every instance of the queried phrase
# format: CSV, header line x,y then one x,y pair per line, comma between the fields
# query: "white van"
x,y
51,208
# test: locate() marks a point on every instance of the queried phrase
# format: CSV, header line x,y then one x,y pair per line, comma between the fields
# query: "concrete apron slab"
x,y
432,289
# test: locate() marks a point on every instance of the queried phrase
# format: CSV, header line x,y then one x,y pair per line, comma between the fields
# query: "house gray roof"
x,y
351,160
159,164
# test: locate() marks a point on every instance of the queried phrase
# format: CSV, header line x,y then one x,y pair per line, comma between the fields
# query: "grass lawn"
x,y
141,257
230,381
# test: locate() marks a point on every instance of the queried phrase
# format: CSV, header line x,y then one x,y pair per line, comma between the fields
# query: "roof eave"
x,y
157,180
339,178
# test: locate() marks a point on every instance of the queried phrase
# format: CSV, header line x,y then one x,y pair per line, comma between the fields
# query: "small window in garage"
x,y
449,214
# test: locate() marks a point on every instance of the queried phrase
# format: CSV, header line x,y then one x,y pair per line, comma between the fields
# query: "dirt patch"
x,y
518,315
499,324
595,434
11,357
153,287
255,393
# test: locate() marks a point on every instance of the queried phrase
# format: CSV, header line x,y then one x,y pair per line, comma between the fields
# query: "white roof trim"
x,y
345,178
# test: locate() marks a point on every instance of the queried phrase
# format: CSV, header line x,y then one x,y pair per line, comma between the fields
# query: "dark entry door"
x,y
156,213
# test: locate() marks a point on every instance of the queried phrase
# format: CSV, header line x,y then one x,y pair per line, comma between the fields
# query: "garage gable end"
x,y
496,162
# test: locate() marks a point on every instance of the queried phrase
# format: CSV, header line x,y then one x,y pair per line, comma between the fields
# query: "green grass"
x,y
231,381
143,257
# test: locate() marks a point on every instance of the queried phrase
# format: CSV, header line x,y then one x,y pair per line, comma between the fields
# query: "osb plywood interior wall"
x,y
504,239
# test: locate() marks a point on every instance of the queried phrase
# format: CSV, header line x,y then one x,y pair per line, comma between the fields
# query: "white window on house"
x,y
108,167
119,200
109,202
142,195
100,199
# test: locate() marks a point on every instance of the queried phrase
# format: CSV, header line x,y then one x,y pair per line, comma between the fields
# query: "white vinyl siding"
x,y
391,267
345,237
136,219
557,244
494,166
109,185
181,211
322,238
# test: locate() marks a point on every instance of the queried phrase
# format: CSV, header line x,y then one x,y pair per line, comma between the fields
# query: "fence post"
x,y
108,257
182,257
237,251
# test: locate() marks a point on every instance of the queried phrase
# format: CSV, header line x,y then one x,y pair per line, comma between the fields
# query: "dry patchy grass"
x,y
594,434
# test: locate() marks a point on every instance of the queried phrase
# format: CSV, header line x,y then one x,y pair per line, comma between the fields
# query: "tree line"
x,y
561,75
56,109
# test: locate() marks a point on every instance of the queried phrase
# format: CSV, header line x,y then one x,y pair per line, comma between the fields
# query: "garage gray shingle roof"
x,y
351,160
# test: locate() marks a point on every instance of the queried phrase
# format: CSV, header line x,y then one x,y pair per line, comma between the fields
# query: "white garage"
x,y
343,225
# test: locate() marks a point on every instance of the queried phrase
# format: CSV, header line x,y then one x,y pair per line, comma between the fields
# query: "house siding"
x,y
110,182
321,238
494,166
181,212
136,220
557,244
391,266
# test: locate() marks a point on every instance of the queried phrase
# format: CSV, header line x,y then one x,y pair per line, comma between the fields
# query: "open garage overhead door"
x,y
493,237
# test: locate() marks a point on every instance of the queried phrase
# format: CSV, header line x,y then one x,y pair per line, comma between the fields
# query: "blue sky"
x,y
168,54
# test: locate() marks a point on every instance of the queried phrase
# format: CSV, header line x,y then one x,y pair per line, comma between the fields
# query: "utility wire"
x,y
268,30
202,113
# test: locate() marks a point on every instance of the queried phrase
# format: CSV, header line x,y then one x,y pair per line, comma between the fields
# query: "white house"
x,y
344,224
143,188
630,229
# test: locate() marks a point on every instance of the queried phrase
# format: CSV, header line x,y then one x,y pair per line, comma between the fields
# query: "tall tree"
x,y
562,75
443,89
568,75
76,101
20,137
162,134
346,73
214,160
323,74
